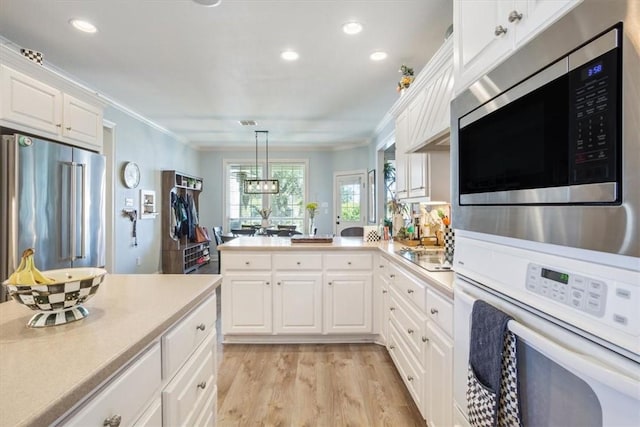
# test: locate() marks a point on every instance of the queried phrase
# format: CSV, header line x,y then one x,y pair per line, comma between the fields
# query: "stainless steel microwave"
x,y
546,146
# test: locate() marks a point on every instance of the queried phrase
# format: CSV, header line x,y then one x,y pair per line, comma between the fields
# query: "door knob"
x,y
500,30
201,327
515,16
112,421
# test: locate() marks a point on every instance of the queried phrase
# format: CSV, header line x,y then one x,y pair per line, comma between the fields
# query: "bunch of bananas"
x,y
27,273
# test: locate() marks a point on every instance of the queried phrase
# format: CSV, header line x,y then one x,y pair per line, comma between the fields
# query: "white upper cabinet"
x,y
28,104
487,31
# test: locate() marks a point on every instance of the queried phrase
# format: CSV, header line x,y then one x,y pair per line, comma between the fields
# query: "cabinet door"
x,y
439,385
402,166
419,175
30,103
477,48
82,121
246,303
381,299
298,303
348,302
536,15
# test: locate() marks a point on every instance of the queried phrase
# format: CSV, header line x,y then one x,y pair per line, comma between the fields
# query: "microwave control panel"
x,y
579,292
593,119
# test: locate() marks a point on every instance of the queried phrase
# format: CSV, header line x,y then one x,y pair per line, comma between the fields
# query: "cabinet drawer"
x,y
186,395
297,262
126,395
410,286
207,416
246,261
440,311
410,371
184,337
410,323
348,261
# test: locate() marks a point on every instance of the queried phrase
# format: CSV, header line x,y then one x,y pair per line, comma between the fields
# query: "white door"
x,y
246,304
350,198
348,303
439,386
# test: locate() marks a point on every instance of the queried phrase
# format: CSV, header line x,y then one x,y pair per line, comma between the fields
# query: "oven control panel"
x,y
579,292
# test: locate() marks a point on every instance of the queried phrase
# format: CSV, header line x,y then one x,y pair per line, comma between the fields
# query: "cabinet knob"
x,y
201,327
392,308
409,331
298,263
391,347
409,378
246,263
348,262
267,283
330,283
500,30
392,275
425,339
68,127
59,125
384,291
112,421
515,16
279,283
409,291
202,385
381,266
434,311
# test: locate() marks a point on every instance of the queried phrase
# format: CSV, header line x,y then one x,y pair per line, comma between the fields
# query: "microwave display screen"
x,y
591,71
555,276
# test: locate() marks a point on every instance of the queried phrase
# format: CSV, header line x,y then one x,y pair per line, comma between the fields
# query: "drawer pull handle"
x,y
279,283
330,283
112,421
384,291
348,262
500,30
514,16
392,308
201,327
202,385
409,378
68,127
434,311
59,125
298,263
246,263
409,291
409,331
425,339
392,275
392,347
267,283
381,266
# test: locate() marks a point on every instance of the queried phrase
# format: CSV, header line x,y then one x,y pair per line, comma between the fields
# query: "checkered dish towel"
x,y
492,383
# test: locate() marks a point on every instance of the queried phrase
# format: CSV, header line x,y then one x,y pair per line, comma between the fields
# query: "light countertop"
x,y
443,281
45,371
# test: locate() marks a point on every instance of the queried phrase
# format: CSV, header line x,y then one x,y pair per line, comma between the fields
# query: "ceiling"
x,y
196,71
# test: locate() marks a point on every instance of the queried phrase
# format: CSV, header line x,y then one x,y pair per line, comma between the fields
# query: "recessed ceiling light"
x,y
378,56
289,55
82,25
208,3
352,27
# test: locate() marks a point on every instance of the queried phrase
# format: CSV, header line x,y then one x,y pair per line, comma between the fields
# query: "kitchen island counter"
x,y
443,281
44,372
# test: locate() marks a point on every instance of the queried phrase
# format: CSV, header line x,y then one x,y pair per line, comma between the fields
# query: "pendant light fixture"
x,y
265,185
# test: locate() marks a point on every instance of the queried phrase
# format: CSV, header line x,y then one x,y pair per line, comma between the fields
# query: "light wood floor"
x,y
312,385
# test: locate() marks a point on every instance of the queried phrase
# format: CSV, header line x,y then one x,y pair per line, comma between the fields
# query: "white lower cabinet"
x,y
172,383
122,400
247,303
297,303
381,299
439,387
348,303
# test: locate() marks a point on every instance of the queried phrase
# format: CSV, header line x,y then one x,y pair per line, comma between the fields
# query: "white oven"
x,y
577,325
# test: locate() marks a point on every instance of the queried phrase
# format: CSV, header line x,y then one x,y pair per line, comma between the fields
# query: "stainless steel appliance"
x,y
52,200
546,146
430,259
547,230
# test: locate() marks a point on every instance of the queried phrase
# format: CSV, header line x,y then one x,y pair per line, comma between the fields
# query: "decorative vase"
x,y
265,222
312,226
398,223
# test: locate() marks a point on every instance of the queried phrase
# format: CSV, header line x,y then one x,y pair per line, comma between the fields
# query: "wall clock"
x,y
131,174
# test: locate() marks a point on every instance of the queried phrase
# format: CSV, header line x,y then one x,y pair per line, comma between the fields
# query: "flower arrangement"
x,y
312,208
264,213
406,79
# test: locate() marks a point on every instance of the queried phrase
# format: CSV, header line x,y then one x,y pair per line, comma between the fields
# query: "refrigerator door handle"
x,y
83,218
72,213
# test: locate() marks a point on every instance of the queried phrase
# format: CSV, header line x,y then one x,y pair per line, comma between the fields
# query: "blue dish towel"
x,y
492,388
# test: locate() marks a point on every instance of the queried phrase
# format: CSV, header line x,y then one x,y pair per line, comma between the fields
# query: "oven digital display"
x,y
556,276
592,71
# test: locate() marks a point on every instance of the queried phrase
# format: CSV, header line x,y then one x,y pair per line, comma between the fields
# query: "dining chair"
x,y
286,227
352,231
272,231
217,235
287,233
243,231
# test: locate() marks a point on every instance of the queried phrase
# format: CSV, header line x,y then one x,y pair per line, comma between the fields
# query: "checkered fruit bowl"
x,y
59,302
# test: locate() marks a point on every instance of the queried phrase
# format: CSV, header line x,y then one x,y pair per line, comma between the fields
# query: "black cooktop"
x,y
429,259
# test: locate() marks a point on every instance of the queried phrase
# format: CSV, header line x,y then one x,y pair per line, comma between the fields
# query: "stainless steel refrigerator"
x,y
53,200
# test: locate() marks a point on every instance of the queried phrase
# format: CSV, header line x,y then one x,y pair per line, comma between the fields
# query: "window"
x,y
287,206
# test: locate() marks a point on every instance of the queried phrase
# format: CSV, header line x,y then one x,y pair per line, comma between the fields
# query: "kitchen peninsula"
x,y
346,291
147,338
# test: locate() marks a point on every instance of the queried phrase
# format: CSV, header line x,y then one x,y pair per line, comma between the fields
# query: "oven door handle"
x,y
577,362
